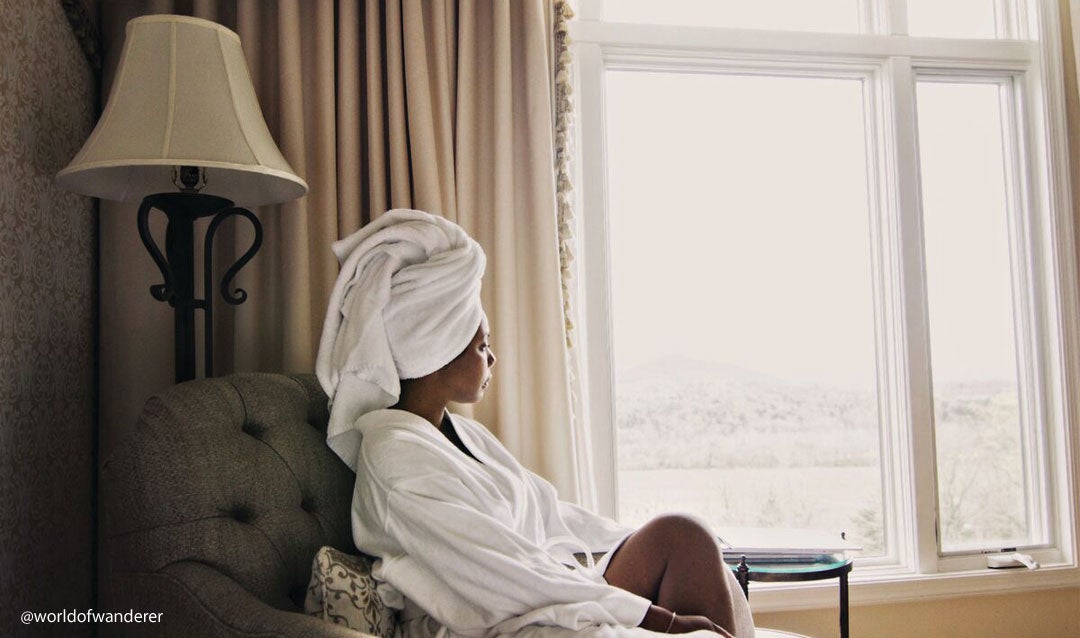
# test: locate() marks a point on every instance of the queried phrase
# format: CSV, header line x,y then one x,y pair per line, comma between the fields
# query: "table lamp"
x,y
182,132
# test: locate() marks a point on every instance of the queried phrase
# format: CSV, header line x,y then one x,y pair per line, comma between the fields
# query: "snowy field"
x,y
744,497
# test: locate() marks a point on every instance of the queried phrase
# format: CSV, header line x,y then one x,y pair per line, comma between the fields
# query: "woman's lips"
x,y
485,384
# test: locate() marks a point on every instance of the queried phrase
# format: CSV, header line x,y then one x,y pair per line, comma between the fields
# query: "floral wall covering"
x,y
47,290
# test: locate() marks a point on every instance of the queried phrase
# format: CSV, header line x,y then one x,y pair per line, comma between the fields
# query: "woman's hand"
x,y
664,621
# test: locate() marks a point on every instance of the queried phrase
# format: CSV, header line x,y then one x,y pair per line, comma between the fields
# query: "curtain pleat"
x,y
350,65
378,120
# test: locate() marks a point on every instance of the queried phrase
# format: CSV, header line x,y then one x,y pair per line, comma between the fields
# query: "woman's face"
x,y
468,375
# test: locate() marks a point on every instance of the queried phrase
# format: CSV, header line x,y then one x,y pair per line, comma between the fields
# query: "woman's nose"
x,y
491,358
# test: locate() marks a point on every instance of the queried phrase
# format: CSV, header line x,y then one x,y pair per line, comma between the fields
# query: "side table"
x,y
823,568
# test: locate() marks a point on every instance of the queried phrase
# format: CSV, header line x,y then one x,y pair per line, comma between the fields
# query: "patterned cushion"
x,y
342,591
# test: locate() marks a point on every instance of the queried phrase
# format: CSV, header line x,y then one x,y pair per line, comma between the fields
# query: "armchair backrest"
x,y
234,473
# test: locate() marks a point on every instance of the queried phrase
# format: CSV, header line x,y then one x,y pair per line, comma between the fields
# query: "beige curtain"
x,y
1070,50
1069,11
433,104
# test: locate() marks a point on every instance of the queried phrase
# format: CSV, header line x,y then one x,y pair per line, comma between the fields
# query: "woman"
x,y
469,541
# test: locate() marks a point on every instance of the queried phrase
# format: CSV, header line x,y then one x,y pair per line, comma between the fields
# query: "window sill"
x,y
878,586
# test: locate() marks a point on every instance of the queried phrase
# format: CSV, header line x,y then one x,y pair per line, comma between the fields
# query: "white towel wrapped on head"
x,y
406,303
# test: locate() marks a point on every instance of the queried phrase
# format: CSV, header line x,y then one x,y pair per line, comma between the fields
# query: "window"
x,y
826,272
772,302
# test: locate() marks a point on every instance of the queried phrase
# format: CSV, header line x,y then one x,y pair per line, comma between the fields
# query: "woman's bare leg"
x,y
675,562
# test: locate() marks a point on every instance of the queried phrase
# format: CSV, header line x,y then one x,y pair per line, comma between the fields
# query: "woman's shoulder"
x,y
398,445
389,425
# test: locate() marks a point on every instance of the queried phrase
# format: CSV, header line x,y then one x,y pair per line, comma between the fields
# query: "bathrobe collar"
x,y
405,420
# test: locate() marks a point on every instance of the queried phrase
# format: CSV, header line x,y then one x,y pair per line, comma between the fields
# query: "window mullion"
x,y
918,499
896,16
1022,216
594,269
874,16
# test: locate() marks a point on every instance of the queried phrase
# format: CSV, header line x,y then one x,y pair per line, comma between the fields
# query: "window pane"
x,y
952,19
742,302
787,15
980,455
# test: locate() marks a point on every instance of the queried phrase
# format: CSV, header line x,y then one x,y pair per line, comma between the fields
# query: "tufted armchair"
x,y
214,507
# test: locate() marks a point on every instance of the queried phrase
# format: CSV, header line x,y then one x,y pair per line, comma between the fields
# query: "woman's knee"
x,y
657,542
679,529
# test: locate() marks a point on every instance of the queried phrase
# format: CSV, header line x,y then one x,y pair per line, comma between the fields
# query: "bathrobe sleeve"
x,y
506,579
491,567
598,533
561,518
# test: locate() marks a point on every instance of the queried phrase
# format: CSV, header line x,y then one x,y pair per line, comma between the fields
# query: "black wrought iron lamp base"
x,y
177,266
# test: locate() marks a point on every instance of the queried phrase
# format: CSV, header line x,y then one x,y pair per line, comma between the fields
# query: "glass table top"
x,y
803,565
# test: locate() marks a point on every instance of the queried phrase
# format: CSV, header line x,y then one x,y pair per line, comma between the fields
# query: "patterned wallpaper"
x,y
47,291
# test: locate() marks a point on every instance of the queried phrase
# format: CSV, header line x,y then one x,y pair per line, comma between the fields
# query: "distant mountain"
x,y
683,368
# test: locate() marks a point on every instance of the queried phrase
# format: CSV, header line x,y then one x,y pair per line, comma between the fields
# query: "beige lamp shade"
x,y
182,96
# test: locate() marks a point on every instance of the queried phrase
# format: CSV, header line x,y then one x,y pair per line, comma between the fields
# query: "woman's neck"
x,y
423,404
428,406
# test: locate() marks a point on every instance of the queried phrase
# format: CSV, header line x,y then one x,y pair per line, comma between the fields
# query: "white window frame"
x,y
889,65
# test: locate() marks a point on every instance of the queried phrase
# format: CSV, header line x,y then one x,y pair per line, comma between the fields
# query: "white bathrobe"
x,y
477,545
481,548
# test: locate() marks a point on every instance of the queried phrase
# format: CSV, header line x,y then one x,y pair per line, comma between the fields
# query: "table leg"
x,y
843,605
742,574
